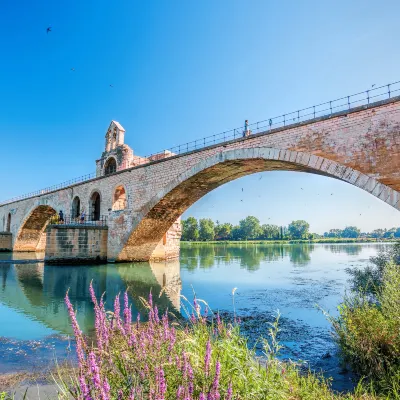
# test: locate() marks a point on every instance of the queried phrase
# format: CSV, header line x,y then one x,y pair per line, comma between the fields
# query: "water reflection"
x,y
250,255
38,291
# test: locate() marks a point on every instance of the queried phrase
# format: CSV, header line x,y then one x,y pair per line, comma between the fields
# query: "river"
x,y
297,280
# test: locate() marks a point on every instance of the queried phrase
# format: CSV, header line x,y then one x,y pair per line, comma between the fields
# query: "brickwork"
x,y
5,241
361,147
76,244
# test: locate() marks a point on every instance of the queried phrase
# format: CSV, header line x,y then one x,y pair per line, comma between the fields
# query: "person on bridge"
x,y
61,217
83,217
246,131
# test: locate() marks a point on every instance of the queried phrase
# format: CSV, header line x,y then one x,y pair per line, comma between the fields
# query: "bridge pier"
x,y
75,244
5,241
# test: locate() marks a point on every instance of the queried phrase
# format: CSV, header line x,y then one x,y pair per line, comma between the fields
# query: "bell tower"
x,y
116,155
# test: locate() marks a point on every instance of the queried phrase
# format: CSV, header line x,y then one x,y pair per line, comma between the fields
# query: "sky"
x,y
174,71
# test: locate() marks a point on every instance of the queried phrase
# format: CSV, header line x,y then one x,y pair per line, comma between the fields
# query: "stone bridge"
x,y
143,198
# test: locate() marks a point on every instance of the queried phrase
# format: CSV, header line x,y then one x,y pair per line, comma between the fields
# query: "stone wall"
x,y
5,241
66,244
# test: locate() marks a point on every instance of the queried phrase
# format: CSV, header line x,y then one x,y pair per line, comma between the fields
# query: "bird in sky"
x,y
48,29
72,69
301,188
111,85
241,200
242,189
260,178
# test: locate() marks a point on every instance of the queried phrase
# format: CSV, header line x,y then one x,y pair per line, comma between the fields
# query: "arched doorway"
x,y
110,166
8,227
94,206
119,200
76,208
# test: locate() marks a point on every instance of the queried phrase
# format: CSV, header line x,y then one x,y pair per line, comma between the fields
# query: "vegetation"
x,y
368,327
203,358
250,228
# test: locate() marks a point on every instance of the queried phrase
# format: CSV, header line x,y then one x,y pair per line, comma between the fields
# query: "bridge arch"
x,y
119,200
158,215
31,235
95,205
110,166
8,226
76,207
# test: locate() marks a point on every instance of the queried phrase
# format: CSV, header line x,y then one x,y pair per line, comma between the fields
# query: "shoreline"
x,y
295,241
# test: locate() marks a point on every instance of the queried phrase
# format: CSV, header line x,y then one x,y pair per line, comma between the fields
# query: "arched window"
x,y
119,200
76,207
110,167
8,223
94,206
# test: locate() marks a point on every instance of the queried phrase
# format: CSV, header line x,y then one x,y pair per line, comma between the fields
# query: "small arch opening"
x,y
8,227
76,207
110,166
94,206
119,201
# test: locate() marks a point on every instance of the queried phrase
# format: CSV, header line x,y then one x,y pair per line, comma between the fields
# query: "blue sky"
x,y
181,70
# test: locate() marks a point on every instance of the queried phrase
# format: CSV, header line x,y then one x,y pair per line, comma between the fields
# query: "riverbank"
x,y
300,241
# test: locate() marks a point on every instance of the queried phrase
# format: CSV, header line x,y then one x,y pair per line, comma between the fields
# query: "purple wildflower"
x,y
127,314
77,332
229,392
207,358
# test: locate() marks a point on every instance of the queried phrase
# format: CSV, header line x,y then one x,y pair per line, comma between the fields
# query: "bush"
x,y
368,332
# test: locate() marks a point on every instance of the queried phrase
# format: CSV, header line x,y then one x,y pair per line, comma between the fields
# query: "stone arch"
x,y
76,207
110,166
119,198
31,235
95,206
169,204
8,226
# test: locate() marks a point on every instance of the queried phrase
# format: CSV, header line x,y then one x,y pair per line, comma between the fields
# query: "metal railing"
x,y
86,220
346,103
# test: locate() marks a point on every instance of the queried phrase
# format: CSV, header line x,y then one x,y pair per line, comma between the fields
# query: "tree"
x,y
236,233
351,232
378,233
250,228
223,231
270,232
333,233
390,234
206,229
298,229
190,229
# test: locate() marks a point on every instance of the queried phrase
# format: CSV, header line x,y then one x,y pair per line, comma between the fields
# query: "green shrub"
x,y
368,332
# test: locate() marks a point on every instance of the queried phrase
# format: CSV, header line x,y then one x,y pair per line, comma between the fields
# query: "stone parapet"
x,y
74,244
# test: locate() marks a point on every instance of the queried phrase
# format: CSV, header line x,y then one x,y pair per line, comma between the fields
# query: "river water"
x,y
297,280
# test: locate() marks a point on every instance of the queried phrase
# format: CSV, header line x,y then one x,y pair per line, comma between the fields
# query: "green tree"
x,y
250,227
270,232
351,232
298,229
236,233
206,229
378,233
333,233
190,229
223,231
390,233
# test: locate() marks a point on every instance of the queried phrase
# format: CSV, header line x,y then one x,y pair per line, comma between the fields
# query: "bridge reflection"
x,y
38,291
